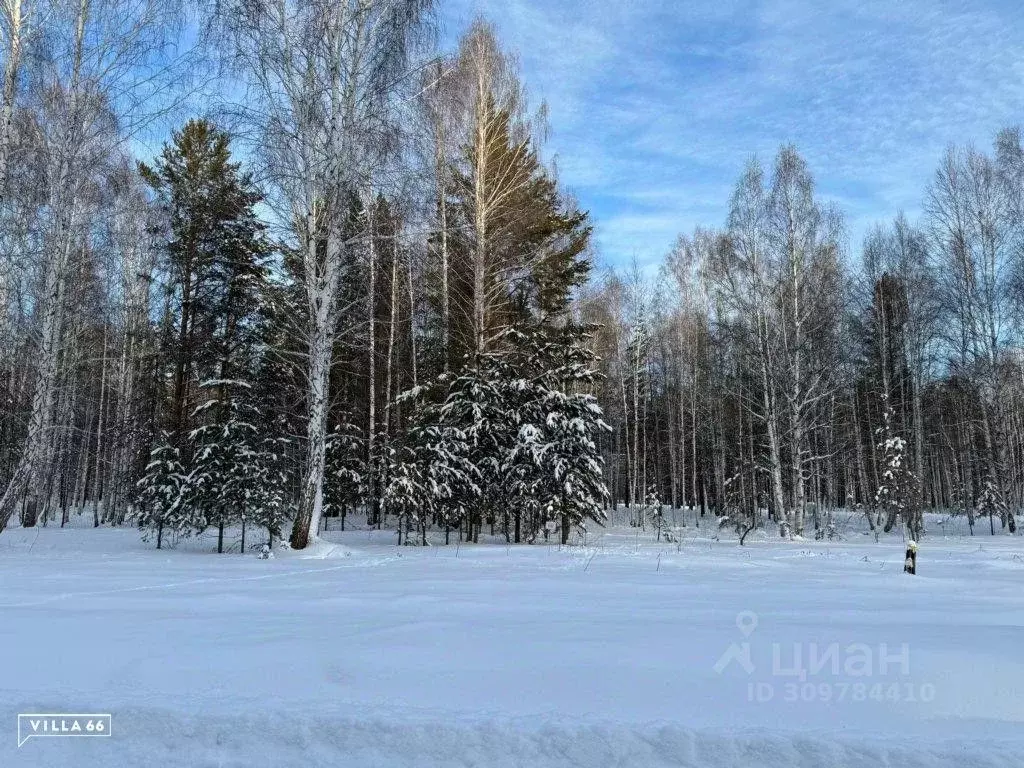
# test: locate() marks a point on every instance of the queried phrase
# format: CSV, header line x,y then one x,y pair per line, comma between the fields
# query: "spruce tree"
x,y
159,504
345,474
223,453
482,406
269,505
236,475
897,494
431,479
561,423
519,395
524,421
434,475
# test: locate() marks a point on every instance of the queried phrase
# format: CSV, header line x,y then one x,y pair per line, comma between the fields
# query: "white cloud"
x,y
656,105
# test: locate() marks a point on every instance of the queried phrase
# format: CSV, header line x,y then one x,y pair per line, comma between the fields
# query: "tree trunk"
x,y
321,289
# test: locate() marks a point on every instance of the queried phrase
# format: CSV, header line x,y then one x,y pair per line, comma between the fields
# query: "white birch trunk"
x,y
15,13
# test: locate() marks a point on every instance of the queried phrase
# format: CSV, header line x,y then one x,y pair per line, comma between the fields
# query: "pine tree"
x,y
212,266
214,275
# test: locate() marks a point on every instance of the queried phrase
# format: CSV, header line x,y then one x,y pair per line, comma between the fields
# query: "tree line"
x,y
356,287
766,374
349,292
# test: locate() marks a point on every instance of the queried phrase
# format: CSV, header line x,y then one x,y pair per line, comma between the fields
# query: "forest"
x,y
353,290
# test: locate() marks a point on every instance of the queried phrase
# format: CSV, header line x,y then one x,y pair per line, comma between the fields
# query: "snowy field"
x,y
623,652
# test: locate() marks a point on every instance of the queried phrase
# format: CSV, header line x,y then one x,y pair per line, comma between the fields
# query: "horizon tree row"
x,y
360,289
767,375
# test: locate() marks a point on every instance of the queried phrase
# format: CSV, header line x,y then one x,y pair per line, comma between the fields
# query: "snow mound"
x,y
320,549
155,737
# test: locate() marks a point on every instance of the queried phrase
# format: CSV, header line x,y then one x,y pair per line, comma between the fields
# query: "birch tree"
x,y
322,78
804,235
494,185
970,221
101,43
17,24
747,285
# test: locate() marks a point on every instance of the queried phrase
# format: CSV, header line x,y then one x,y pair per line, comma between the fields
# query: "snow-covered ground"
x,y
624,652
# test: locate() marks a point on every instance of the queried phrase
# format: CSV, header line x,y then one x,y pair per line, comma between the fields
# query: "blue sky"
x,y
655,105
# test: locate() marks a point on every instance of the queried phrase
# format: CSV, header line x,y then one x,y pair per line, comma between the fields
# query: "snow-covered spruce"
x,y
234,474
897,495
511,439
158,505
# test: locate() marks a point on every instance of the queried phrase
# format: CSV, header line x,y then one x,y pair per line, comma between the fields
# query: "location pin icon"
x,y
746,621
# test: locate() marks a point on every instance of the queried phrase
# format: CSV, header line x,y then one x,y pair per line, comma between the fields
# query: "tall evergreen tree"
x,y
558,438
897,494
517,247
214,269
211,269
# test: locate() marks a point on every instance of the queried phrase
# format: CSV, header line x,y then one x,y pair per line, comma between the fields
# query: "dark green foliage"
x,y
212,267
